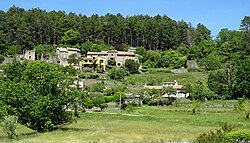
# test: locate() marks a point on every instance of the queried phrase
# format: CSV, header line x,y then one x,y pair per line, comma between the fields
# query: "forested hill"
x,y
26,28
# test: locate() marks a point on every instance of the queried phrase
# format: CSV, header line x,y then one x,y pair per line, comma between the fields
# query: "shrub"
x,y
152,103
9,125
133,104
240,135
215,136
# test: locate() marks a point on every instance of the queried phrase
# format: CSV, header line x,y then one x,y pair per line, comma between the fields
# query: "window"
x,y
101,61
119,64
29,57
85,61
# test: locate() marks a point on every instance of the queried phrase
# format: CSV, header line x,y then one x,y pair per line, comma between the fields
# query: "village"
x,y
124,71
100,59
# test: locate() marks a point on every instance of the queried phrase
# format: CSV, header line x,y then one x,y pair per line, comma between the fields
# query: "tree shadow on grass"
x,y
18,137
74,129
27,135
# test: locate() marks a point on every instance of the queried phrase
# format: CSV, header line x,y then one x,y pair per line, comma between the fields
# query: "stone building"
x,y
63,54
119,56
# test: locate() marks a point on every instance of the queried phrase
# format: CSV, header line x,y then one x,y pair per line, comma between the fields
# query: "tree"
x,y
132,66
73,59
218,82
173,59
99,101
70,38
98,87
211,62
245,27
9,125
243,78
37,96
117,73
243,107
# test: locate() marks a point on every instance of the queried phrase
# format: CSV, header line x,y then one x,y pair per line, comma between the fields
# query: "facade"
x,y
179,93
29,55
64,53
102,57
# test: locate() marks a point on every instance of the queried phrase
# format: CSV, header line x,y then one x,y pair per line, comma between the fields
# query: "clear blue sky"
x,y
215,14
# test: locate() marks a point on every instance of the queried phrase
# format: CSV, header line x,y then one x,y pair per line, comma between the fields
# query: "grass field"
x,y
142,124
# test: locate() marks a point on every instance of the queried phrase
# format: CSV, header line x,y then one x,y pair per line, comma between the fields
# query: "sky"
x,y
214,14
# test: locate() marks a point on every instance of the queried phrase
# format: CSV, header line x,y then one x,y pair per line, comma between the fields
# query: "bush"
x,y
9,125
240,135
215,136
117,73
152,103
133,104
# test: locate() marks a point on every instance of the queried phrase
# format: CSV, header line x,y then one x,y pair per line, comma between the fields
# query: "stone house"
x,y
29,55
119,56
62,55
91,62
179,93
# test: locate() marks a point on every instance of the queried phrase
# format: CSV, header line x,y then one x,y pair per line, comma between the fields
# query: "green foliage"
x,y
68,70
92,47
117,73
98,87
1,58
73,59
243,78
216,136
44,50
173,59
13,50
211,62
9,125
218,82
119,96
243,107
132,66
70,38
38,93
238,136
99,101
196,107
111,62
200,92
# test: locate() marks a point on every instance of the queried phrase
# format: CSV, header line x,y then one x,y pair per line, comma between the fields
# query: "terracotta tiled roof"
x,y
177,86
153,87
126,53
97,53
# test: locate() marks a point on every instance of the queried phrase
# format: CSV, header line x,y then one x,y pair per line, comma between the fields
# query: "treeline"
x,y
26,28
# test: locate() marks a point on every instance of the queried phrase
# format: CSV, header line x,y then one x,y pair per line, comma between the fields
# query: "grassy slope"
x,y
150,124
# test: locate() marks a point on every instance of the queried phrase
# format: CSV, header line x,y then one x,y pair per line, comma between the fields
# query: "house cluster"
x,y
179,93
92,58
101,58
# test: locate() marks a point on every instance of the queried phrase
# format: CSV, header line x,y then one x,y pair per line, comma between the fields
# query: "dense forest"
x,y
26,28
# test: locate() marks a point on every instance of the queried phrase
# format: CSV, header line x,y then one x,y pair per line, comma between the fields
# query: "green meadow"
x,y
140,124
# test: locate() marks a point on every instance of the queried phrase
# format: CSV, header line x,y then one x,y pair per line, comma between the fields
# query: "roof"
x,y
88,59
97,53
153,87
73,49
126,53
177,86
119,53
62,49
